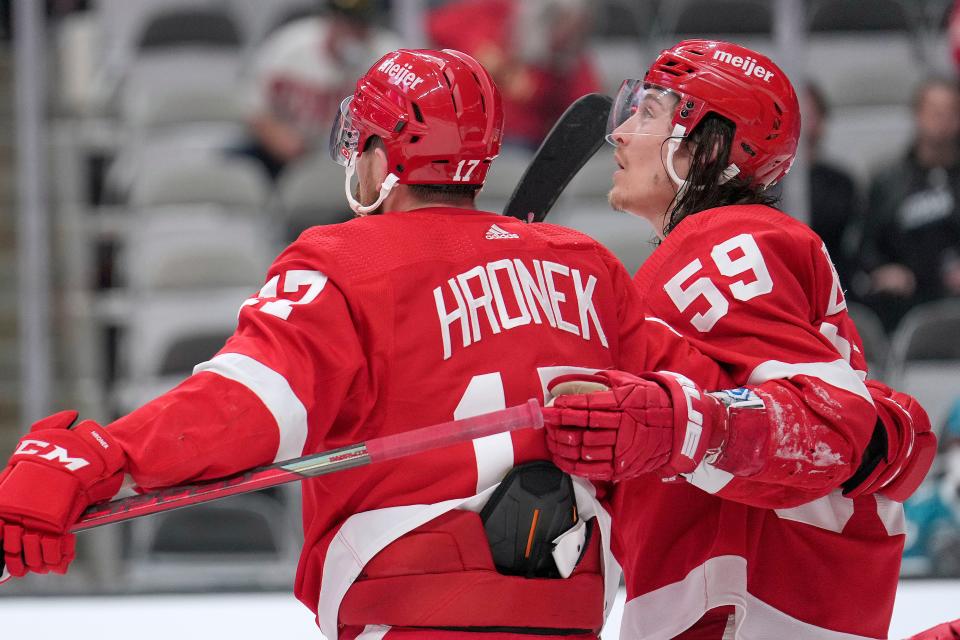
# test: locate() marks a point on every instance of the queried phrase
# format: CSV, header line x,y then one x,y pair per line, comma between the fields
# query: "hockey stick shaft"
x,y
375,450
573,140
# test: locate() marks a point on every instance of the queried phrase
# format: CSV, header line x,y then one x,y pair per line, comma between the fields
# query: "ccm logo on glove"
x,y
47,451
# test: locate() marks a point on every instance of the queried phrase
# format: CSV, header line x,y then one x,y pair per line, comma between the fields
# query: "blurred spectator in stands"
x,y
911,233
834,205
933,513
953,32
535,50
301,74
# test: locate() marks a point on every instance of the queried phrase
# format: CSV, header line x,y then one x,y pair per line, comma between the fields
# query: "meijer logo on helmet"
x,y
748,64
400,74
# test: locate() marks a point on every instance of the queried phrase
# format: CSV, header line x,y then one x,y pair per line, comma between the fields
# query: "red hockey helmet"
x,y
438,113
747,88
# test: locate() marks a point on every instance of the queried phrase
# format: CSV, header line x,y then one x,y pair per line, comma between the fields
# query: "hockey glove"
x,y
614,425
52,476
901,451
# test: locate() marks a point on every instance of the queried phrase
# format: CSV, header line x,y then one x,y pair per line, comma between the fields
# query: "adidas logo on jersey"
x,y
748,64
497,233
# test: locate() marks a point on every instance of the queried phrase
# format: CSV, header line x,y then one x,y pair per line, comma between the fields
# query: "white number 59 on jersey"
x,y
748,260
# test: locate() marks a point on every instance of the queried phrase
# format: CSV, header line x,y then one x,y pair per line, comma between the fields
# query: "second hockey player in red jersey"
x,y
770,512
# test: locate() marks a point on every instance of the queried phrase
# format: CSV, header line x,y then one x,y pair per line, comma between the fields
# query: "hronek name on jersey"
x,y
509,293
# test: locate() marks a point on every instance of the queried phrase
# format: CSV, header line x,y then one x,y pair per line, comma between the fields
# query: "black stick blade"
x,y
574,139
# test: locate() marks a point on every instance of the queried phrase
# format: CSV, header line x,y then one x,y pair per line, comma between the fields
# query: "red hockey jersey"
x,y
756,290
388,323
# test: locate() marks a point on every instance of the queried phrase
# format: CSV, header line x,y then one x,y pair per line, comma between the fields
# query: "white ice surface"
x,y
261,616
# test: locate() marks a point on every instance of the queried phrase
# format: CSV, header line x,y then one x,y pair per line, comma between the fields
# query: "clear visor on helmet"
x,y
343,135
642,109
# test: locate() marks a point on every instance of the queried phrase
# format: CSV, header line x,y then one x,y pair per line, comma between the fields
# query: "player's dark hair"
x,y
711,141
444,192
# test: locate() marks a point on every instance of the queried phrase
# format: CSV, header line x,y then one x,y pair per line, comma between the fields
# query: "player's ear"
x,y
372,166
380,168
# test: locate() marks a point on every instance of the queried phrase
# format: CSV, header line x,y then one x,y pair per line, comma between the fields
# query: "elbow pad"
x,y
901,450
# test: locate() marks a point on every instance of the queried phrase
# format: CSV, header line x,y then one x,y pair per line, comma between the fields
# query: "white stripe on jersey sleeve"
x,y
708,477
373,632
664,323
275,393
721,580
837,373
891,514
832,512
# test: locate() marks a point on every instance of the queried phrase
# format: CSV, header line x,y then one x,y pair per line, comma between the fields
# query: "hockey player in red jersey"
x,y
945,631
771,512
427,311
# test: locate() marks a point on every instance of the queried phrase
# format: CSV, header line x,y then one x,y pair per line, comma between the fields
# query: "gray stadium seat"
x,y
234,182
169,107
120,23
618,60
502,178
866,69
595,179
925,357
148,105
310,192
259,17
194,248
161,322
169,146
695,18
623,19
209,27
861,139
76,50
182,71
241,542
505,171
876,344
857,15
939,55
627,236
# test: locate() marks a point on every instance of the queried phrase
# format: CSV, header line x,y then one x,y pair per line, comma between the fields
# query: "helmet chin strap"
x,y
676,137
358,208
